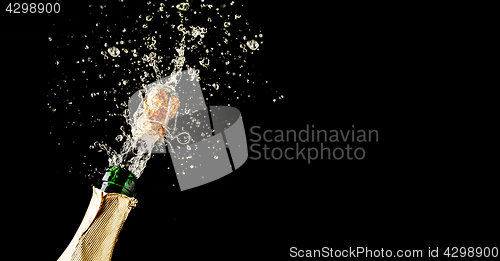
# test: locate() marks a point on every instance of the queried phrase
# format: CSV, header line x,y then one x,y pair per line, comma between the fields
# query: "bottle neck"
x,y
119,179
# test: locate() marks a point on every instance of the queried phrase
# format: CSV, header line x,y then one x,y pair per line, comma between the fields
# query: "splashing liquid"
x,y
159,103
136,49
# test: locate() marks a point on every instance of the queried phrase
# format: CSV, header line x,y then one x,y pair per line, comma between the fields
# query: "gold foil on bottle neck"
x,y
97,235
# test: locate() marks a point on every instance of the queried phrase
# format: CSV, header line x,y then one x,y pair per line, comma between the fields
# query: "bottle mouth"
x,y
167,88
118,179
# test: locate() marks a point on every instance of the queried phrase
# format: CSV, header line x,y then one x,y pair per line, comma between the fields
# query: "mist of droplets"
x,y
124,46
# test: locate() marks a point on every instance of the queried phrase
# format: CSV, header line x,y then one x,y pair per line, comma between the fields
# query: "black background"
x,y
377,67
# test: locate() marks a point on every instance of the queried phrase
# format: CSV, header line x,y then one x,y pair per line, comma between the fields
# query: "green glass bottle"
x,y
118,179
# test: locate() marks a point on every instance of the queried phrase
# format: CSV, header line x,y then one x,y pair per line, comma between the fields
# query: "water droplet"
x,y
205,62
227,24
113,51
181,28
183,6
149,18
252,44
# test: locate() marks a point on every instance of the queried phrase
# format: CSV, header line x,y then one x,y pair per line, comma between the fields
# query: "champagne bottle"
x,y
108,209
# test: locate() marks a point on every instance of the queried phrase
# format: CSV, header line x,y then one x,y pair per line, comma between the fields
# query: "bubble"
x,y
113,51
183,6
149,18
227,24
205,62
252,44
183,138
